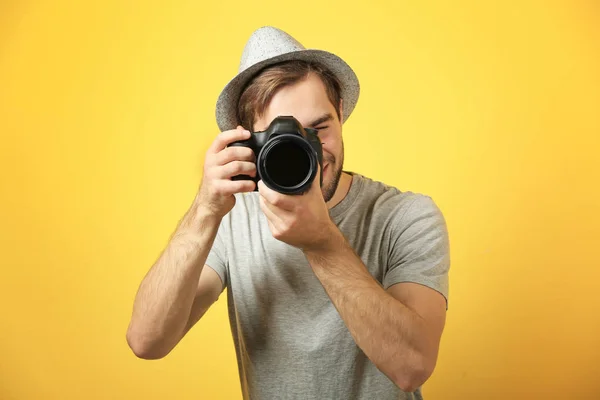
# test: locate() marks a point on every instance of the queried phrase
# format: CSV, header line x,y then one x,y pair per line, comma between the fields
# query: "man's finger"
x,y
226,187
270,213
279,200
225,138
234,154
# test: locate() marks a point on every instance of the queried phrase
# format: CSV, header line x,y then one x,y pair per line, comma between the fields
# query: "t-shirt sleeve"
x,y
217,257
419,247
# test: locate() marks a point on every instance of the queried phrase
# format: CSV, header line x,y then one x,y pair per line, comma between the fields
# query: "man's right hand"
x,y
221,163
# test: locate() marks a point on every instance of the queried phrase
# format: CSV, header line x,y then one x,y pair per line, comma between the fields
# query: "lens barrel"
x,y
287,164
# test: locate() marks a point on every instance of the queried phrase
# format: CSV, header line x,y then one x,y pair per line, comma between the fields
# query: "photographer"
x,y
338,290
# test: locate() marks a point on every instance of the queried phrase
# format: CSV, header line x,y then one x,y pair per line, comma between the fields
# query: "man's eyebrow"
x,y
320,120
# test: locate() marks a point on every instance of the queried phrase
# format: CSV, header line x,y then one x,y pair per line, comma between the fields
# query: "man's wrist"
x,y
331,242
200,219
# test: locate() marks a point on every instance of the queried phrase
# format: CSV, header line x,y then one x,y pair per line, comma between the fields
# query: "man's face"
x,y
307,101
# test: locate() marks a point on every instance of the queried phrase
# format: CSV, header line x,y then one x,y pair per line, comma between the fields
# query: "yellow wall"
x,y
490,107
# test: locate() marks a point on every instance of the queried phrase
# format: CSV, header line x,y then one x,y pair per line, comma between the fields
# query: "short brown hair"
x,y
259,92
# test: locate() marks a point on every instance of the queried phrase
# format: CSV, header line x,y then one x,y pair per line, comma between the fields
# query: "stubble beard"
x,y
329,189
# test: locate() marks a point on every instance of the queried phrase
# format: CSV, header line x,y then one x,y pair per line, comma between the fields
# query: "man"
x,y
338,293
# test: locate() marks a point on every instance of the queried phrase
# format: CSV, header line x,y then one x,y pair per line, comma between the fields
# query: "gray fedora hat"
x,y
267,46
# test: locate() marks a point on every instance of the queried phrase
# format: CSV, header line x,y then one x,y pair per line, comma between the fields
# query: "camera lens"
x,y
287,164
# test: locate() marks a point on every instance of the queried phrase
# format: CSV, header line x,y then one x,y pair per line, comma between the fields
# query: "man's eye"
x,y
320,128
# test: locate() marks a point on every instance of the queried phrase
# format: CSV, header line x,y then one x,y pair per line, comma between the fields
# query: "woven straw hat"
x,y
268,46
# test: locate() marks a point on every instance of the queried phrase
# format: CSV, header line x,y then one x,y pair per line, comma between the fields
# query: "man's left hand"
x,y
301,221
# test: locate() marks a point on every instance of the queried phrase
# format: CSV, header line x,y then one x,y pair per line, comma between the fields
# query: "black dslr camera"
x,y
287,156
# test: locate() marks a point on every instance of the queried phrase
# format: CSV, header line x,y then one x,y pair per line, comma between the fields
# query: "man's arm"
x,y
177,290
399,330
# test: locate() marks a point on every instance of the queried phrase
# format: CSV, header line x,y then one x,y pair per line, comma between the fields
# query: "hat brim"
x,y
227,103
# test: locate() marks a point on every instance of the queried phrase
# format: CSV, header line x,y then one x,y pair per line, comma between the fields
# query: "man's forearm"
x,y
165,297
389,333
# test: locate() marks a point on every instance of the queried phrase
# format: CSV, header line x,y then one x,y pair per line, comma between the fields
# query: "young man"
x,y
338,293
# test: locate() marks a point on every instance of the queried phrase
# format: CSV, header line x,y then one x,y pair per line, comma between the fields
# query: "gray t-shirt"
x,y
290,341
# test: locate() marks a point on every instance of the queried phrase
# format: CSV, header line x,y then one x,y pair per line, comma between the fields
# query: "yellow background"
x,y
106,109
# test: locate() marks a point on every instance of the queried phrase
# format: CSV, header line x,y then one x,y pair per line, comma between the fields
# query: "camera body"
x,y
287,156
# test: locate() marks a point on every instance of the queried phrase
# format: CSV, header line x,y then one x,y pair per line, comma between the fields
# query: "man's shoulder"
x,y
386,197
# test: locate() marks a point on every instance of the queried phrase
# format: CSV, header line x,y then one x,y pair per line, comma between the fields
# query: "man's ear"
x,y
341,111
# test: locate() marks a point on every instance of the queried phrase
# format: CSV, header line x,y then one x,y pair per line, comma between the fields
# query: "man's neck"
x,y
341,191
